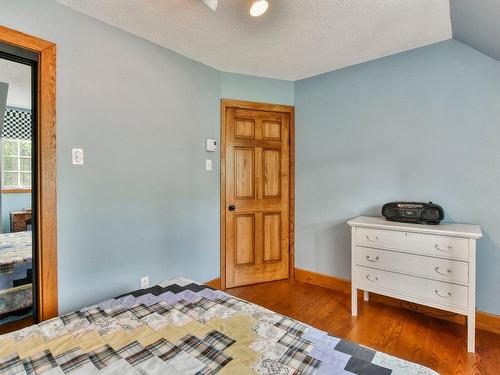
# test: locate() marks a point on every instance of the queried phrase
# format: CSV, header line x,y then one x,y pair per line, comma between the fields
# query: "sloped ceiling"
x,y
293,40
477,23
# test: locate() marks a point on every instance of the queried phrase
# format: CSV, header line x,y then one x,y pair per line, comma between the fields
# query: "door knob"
x,y
232,207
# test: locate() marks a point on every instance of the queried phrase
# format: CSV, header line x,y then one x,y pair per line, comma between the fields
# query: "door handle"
x,y
232,207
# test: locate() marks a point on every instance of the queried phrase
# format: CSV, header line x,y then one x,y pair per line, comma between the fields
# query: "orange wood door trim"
x,y
290,110
46,250
215,283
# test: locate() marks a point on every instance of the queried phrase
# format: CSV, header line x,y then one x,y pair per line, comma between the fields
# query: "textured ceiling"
x,y
18,76
477,23
293,40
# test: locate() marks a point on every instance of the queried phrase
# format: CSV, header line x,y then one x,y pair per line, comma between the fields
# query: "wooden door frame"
x,y
46,249
239,104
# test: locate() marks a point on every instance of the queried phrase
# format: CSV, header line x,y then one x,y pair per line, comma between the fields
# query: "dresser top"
x,y
458,230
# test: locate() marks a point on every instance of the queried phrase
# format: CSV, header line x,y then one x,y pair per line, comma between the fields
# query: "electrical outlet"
x,y
208,164
144,282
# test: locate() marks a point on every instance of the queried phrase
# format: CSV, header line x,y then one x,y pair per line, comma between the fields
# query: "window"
x,y
16,164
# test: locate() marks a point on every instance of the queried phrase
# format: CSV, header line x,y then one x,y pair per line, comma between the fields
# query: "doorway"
x,y
28,232
257,192
18,227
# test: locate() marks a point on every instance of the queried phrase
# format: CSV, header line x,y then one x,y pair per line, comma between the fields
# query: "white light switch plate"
x,y
77,156
144,282
208,165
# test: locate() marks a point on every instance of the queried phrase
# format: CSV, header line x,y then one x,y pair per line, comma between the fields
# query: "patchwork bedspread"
x,y
15,299
15,272
181,327
15,248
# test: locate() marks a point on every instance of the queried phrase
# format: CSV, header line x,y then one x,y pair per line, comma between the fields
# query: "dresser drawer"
x,y
444,295
419,265
435,245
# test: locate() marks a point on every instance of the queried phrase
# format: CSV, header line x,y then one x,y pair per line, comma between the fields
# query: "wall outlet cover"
x,y
144,282
77,156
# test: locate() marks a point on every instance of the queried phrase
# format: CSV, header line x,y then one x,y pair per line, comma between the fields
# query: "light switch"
x,y
208,164
77,156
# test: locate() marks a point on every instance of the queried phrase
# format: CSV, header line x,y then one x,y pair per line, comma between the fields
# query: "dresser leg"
x,y
471,332
354,301
366,296
471,316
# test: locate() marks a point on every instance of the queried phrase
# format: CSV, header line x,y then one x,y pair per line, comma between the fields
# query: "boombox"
x,y
413,212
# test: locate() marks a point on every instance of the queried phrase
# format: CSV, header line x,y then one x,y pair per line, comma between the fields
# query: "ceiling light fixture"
x,y
258,7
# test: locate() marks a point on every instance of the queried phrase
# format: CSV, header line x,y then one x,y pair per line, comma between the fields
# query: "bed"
x,y
182,327
15,272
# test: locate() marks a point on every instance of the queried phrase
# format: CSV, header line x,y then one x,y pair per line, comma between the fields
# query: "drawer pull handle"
x,y
450,246
370,238
369,259
375,279
447,273
447,295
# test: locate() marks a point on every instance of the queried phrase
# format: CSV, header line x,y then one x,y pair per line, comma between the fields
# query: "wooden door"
x,y
257,183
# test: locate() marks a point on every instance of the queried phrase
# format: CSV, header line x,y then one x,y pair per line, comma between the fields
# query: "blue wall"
x,y
13,202
421,125
256,89
476,23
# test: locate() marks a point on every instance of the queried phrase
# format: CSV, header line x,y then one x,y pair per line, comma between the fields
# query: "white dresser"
x,y
433,265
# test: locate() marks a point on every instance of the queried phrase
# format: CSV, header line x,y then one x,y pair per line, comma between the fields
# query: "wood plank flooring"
x,y
432,342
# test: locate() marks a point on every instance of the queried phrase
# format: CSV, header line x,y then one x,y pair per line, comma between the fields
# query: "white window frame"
x,y
18,170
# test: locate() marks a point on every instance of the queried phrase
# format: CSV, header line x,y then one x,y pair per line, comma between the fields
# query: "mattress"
x,y
15,248
182,327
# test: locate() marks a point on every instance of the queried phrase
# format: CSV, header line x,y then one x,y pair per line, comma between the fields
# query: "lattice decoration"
x,y
17,124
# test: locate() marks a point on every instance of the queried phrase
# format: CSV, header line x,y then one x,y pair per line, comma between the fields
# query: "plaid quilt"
x,y
182,327
15,248
14,299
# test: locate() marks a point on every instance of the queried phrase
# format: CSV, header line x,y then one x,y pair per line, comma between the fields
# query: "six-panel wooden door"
x,y
257,182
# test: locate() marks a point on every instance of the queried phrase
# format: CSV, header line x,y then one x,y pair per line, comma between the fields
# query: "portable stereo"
x,y
413,212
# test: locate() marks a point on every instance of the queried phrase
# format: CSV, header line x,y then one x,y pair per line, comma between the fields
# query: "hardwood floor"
x,y
435,343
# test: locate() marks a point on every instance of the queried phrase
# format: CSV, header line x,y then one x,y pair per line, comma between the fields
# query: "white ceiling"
x,y
293,40
18,76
